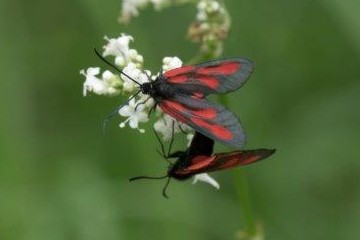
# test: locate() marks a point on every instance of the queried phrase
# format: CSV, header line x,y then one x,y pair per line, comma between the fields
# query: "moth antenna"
x,y
113,113
114,67
146,177
172,137
165,187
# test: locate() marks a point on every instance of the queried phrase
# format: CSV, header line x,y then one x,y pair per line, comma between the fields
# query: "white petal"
x,y
161,127
142,117
132,103
107,75
92,71
120,61
117,46
201,16
189,137
201,5
133,123
150,103
126,111
171,63
215,6
129,86
143,78
204,177
130,8
94,84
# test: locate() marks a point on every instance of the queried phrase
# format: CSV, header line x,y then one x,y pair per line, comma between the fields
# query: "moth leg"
x,y
165,187
172,138
162,153
141,103
181,129
176,154
151,109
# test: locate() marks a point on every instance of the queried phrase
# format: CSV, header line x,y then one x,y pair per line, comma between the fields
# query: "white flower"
x,y
132,56
150,103
189,137
204,177
207,7
214,6
135,116
136,74
112,82
171,63
130,61
109,84
130,9
93,83
165,125
117,46
202,5
201,16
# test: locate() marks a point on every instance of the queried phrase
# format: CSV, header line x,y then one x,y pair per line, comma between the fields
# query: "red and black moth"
x,y
199,158
181,94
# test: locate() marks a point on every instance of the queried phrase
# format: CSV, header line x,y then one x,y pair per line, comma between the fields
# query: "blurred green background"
x,y
61,178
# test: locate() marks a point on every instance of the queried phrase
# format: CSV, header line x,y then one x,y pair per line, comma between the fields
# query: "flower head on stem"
x,y
137,109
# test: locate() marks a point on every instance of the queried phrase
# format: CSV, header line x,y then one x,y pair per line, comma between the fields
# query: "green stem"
x,y
240,179
242,188
243,192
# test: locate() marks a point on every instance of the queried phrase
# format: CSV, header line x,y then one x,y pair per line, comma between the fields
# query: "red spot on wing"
x,y
177,79
226,68
199,159
178,71
198,163
210,82
198,95
208,113
166,107
232,162
250,159
177,106
217,130
237,158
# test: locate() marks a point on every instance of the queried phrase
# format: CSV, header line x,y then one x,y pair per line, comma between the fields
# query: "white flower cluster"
x,y
211,26
206,8
136,109
130,8
131,62
108,84
119,47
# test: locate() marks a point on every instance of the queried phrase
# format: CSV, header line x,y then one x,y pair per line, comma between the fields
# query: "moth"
x,y
181,93
199,158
